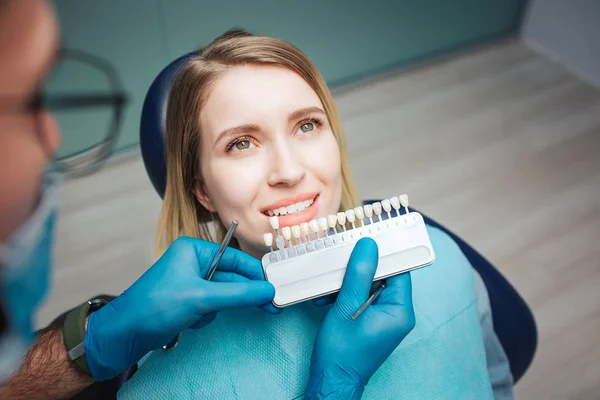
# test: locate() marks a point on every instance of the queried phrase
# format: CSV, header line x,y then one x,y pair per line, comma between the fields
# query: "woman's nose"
x,y
286,167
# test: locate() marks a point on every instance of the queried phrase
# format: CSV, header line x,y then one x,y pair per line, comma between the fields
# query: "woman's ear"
x,y
203,197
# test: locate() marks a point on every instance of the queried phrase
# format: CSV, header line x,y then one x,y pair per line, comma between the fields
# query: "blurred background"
x,y
487,113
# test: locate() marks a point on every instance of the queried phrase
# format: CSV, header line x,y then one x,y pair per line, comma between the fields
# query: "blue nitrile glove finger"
x,y
221,276
170,297
347,353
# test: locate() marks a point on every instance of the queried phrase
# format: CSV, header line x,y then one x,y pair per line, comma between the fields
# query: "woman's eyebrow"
x,y
303,112
237,131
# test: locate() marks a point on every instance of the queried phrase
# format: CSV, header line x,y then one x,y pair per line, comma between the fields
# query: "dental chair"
x,y
513,321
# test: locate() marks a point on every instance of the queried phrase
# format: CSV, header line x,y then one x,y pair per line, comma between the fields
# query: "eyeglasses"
x,y
86,97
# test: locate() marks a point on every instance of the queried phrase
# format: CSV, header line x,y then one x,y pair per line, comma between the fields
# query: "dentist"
x,y
98,341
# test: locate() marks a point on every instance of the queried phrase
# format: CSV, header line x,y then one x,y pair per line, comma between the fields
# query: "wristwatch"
x,y
74,332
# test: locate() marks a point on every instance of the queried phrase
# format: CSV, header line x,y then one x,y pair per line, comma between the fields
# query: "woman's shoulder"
x,y
447,286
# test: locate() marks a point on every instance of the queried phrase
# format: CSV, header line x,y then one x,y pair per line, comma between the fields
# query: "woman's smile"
x,y
294,210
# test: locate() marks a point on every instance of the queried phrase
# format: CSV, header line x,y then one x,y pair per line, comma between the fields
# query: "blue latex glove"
x,y
346,352
169,298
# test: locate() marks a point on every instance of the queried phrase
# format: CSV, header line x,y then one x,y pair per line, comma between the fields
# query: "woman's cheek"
x,y
322,156
235,181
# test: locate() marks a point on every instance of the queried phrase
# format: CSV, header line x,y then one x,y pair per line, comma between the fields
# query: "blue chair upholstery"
x,y
513,320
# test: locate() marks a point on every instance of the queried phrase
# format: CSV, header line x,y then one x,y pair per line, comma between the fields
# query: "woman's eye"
x,y
307,127
243,145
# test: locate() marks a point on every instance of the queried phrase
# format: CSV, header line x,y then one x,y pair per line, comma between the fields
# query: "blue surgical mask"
x,y
25,265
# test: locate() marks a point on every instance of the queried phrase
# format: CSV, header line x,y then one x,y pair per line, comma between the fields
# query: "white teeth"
x,y
332,221
286,231
268,238
404,200
341,217
274,221
359,212
292,208
377,208
350,216
296,232
387,207
304,227
368,210
395,202
323,224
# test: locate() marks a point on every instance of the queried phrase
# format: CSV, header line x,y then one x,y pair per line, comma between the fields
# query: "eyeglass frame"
x,y
90,159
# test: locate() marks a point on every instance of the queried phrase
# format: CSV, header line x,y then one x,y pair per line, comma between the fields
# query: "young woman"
x,y
253,131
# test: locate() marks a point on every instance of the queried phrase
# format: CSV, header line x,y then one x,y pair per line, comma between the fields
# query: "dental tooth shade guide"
x,y
316,267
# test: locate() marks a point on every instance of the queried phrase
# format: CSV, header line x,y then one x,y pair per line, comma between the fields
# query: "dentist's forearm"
x,y
332,384
47,372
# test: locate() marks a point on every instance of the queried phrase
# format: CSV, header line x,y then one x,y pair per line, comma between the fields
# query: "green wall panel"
x,y
347,40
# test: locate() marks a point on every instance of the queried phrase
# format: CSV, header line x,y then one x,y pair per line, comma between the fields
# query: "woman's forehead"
x,y
255,94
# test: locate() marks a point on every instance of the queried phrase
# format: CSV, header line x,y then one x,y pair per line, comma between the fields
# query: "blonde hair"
x,y
182,214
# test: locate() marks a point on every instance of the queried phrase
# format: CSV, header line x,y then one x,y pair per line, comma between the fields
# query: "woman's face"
x,y
267,148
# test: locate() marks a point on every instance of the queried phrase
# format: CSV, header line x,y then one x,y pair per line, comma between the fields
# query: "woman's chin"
x,y
255,249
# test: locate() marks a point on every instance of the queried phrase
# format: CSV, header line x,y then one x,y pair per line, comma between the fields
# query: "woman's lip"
x,y
287,201
301,216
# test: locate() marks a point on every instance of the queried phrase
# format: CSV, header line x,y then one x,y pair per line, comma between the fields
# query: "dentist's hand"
x,y
169,298
346,352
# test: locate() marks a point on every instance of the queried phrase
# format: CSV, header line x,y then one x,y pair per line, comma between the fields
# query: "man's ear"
x,y
203,197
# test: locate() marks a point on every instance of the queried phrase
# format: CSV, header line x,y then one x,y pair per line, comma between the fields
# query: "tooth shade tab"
x,y
286,231
387,206
323,224
350,216
395,202
377,208
314,225
368,208
359,212
296,231
268,238
403,200
341,217
332,221
304,228
274,221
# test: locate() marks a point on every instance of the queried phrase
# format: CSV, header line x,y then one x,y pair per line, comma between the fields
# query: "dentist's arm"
x,y
170,297
347,353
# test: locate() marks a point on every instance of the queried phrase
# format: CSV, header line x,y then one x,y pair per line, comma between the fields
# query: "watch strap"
x,y
74,334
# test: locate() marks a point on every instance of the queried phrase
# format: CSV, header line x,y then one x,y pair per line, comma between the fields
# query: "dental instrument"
x,y
369,301
224,244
